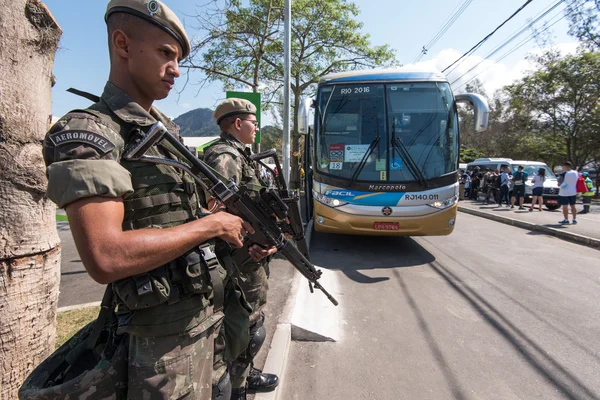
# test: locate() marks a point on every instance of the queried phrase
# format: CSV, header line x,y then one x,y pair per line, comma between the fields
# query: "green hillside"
x,y
198,122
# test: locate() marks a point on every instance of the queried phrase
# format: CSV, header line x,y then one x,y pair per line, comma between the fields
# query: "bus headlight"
x,y
442,204
328,201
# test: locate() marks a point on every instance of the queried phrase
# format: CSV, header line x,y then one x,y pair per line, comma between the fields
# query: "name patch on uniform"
x,y
93,139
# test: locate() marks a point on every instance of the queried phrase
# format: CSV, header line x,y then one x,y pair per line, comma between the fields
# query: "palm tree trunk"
x,y
29,244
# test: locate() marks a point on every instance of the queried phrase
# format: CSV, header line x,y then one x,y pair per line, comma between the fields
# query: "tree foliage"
x,y
550,115
244,47
560,102
237,40
583,22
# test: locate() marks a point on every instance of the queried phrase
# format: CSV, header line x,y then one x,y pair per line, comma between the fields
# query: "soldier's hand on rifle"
x,y
258,253
230,228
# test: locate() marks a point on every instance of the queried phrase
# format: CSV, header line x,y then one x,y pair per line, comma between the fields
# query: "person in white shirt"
x,y
537,189
568,193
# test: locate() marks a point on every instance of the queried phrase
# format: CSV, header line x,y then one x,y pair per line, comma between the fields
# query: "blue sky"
x,y
82,59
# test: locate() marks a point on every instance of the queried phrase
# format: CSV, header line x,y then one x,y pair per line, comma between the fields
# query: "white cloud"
x,y
186,106
493,75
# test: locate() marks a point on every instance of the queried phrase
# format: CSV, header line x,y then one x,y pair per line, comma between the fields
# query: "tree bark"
x,y
29,244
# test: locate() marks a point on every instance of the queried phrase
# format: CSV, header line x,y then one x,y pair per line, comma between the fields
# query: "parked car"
x,y
551,187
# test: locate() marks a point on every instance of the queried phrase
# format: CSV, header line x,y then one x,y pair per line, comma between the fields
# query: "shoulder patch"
x,y
101,143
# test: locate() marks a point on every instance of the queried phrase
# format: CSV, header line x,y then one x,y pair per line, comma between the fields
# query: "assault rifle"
x,y
267,213
294,228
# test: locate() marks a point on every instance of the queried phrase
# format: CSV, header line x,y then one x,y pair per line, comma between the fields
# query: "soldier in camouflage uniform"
x,y
230,157
136,224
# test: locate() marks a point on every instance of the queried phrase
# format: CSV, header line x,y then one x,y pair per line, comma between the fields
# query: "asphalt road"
x,y
76,286
489,312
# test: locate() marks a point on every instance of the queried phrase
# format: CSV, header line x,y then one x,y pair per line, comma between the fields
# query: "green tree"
x,y
245,48
237,39
583,21
560,101
469,154
326,38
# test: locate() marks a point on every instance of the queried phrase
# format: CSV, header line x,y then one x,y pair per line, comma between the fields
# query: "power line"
x,y
489,35
515,48
510,39
443,29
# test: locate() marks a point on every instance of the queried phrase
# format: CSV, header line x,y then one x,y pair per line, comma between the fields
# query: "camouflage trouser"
x,y
172,367
255,286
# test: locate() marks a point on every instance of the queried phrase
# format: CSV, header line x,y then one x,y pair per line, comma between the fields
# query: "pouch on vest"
x,y
236,322
145,290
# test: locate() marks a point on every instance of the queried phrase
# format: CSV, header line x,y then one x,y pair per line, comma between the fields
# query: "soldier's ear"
x,y
121,44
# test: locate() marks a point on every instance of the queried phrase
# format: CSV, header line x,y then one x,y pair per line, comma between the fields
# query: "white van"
x,y
551,187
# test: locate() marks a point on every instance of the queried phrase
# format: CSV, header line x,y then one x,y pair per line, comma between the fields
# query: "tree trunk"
x,y
29,244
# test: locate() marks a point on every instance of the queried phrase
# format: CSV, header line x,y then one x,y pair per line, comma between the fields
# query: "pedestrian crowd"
x,y
505,186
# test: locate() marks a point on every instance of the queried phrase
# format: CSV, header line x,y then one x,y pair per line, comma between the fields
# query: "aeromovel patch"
x,y
93,139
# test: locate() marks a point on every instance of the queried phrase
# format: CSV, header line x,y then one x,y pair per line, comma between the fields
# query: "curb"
x,y
280,345
79,306
568,236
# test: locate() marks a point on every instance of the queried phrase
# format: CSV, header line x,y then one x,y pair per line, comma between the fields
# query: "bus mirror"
x,y
303,115
481,109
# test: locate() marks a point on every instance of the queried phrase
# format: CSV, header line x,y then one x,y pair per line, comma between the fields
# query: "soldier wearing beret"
x,y
230,157
135,224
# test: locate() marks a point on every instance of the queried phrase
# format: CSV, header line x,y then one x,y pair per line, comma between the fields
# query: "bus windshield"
x,y
395,132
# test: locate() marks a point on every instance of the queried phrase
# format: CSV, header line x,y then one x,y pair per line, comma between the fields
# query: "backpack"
x,y
499,181
581,185
519,181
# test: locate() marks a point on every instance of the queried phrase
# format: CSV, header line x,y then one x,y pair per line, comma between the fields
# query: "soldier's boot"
x,y
222,391
258,380
238,393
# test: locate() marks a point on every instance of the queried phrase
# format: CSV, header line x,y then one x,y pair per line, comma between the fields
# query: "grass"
x,y
69,322
61,218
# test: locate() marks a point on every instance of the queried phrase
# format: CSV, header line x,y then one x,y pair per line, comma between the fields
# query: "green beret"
x,y
233,106
156,12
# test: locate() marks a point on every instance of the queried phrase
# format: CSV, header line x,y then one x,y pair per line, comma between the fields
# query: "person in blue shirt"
x,y
505,178
520,178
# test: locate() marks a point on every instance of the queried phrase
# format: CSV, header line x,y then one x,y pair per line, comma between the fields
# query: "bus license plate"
x,y
386,226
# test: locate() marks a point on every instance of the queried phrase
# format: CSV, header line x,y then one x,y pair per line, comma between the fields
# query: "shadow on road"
x,y
74,272
538,358
348,254
62,226
445,368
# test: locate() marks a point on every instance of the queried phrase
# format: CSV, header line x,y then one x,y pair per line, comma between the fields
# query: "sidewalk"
x,y
586,232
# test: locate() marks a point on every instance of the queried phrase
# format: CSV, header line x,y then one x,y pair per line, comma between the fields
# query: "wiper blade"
x,y
363,161
410,162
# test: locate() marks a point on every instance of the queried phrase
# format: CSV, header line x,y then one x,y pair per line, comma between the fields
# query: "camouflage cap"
x,y
157,13
233,106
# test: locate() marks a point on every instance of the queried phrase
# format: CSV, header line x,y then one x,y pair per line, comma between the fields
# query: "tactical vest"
x,y
162,197
249,176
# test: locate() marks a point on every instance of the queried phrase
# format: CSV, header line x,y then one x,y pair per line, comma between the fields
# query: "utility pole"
x,y
287,19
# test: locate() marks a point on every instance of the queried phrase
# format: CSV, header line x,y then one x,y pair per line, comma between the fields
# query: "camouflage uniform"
x,y
170,339
230,158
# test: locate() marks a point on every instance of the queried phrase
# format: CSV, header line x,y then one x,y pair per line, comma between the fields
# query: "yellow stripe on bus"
x,y
367,195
